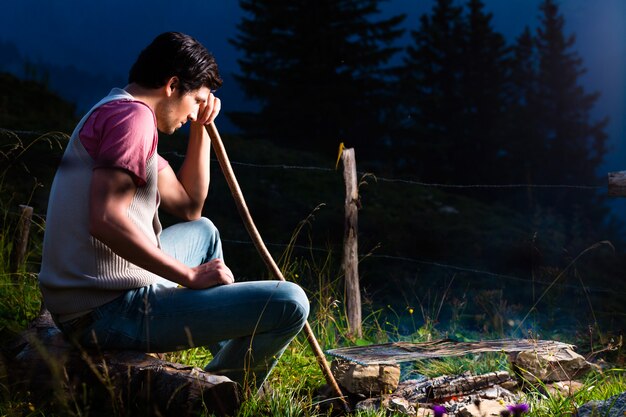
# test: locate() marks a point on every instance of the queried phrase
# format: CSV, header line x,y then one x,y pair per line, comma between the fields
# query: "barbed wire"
x,y
420,183
441,265
408,181
377,178
438,185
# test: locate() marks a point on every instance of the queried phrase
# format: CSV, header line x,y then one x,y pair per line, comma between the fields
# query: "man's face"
x,y
177,109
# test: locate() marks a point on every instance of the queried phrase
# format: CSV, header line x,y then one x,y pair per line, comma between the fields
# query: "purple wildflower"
x,y
439,410
518,409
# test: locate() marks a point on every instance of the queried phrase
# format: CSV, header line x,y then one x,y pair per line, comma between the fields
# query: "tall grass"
x,y
20,299
596,386
296,383
19,293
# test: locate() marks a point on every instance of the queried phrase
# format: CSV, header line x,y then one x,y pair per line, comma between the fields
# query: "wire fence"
x,y
407,181
447,266
589,289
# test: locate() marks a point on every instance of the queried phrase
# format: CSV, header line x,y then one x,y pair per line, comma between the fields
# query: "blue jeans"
x,y
246,325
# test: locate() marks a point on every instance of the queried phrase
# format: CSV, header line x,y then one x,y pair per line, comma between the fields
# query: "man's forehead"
x,y
202,93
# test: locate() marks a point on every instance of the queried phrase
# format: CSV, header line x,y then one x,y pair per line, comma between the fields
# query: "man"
x,y
110,277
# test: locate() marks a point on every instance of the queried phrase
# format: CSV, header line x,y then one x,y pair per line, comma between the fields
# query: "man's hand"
x,y
183,194
209,110
210,274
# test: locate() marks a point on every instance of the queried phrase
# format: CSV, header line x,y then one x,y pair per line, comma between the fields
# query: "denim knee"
x,y
297,298
212,233
207,225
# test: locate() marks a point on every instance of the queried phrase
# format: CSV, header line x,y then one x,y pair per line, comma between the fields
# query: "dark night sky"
x,y
104,37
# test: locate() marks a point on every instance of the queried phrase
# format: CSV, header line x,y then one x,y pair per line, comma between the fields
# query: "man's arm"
x,y
111,194
183,194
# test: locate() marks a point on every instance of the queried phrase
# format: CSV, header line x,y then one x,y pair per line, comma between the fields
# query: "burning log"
x,y
445,387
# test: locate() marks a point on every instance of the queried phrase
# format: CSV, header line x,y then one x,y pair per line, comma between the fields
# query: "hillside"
x,y
426,246
423,244
29,105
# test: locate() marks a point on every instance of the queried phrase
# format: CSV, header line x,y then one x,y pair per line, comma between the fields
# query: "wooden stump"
x,y
42,362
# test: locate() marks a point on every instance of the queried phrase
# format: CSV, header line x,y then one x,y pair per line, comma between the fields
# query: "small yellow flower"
x,y
411,311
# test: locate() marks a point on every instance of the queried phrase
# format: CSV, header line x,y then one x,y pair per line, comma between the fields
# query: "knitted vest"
x,y
79,272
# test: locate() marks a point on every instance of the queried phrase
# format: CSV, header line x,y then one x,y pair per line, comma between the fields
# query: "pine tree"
x,y
575,145
316,67
480,144
525,149
453,84
429,91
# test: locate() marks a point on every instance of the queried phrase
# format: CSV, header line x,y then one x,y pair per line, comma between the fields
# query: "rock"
x,y
564,388
368,380
400,405
549,366
485,408
613,407
371,404
393,405
496,392
511,385
424,412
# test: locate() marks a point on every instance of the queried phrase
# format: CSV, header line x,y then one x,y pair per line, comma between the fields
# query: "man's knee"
x,y
298,299
207,225
211,238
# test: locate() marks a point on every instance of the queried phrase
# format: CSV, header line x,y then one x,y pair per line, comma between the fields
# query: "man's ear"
x,y
171,85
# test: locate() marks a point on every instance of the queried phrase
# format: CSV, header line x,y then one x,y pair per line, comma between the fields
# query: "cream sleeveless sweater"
x,y
78,272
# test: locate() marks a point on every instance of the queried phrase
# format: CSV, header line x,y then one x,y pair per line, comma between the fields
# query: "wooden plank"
x,y
394,353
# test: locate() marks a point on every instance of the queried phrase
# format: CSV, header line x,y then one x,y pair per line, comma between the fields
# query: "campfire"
x,y
371,376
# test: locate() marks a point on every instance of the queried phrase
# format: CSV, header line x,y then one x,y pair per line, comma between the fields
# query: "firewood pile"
x,y
370,376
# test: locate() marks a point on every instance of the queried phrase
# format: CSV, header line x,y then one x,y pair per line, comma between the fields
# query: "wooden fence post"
x,y
350,244
617,184
20,242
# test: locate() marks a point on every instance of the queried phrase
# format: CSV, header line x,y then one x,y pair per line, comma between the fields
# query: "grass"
x,y
296,381
596,386
474,364
20,300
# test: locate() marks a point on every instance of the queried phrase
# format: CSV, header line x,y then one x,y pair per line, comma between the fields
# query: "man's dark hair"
x,y
175,54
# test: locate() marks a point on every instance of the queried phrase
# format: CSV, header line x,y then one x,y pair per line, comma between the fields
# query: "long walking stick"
x,y
222,158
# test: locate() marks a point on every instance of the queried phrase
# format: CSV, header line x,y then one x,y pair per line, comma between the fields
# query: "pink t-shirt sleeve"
x,y
122,134
162,162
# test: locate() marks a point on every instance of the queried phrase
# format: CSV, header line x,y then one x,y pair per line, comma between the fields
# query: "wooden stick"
x,y
222,158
